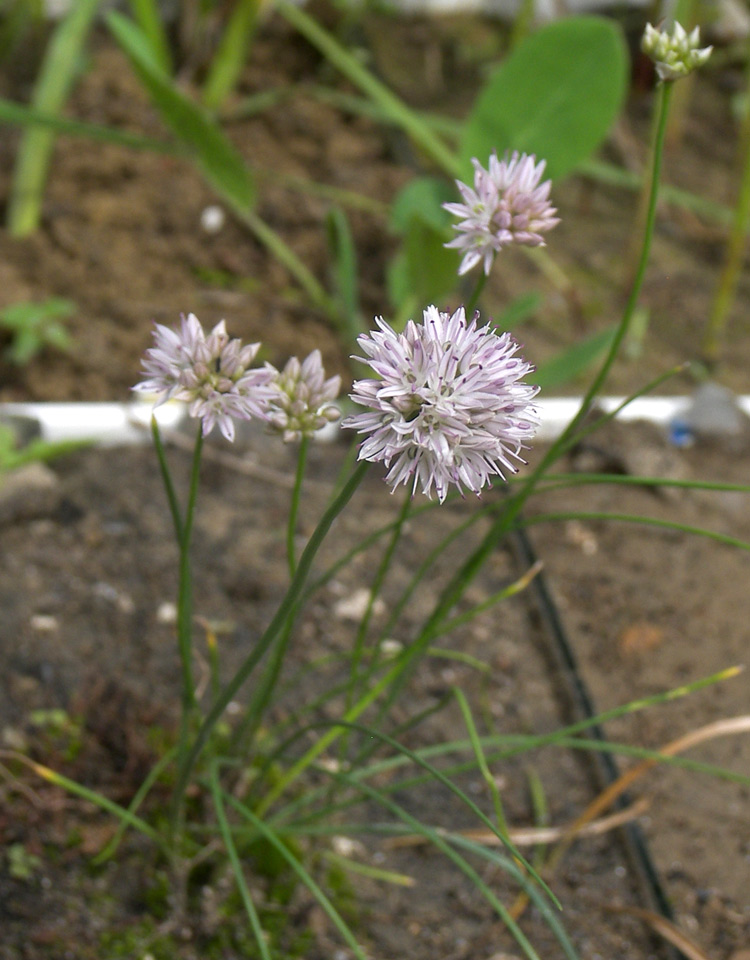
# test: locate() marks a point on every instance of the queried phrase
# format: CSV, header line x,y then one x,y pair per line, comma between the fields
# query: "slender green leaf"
x,y
556,96
212,152
395,110
229,59
61,66
422,198
234,859
304,875
569,364
19,115
148,17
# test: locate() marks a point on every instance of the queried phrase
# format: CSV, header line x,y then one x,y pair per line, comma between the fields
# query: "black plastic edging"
x,y
635,842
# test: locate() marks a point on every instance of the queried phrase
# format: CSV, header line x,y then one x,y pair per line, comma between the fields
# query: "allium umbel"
x,y
675,54
507,205
303,399
448,405
212,373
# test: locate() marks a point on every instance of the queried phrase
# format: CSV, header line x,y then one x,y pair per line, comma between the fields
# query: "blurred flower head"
x,y
507,205
675,54
448,405
211,373
302,402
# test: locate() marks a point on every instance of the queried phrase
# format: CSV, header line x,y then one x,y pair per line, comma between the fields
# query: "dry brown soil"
x,y
88,559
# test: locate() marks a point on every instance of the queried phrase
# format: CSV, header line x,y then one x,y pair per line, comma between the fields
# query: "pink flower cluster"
x,y
507,205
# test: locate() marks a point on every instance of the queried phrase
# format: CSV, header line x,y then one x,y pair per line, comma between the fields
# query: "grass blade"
x,y
331,912
239,876
211,151
62,63
146,13
229,59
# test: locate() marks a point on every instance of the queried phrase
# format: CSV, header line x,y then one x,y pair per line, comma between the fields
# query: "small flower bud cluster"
x,y
303,400
675,54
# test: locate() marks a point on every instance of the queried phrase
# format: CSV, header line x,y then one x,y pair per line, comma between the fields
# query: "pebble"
x,y
28,492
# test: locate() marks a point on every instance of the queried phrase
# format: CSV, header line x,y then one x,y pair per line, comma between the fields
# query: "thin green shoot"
x,y
148,17
436,838
481,760
234,859
365,870
60,68
564,515
269,834
229,60
336,728
97,799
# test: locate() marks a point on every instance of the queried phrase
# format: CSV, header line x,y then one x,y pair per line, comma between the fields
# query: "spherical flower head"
x,y
302,402
211,373
448,405
675,54
507,205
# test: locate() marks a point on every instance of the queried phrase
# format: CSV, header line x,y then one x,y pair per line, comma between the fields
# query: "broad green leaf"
x,y
423,271
517,311
210,149
574,361
556,96
422,198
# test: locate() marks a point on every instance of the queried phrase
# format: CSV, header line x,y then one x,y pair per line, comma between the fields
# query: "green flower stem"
x,y
287,609
294,505
174,506
185,625
713,337
185,593
245,732
359,642
473,300
665,93
507,518
377,584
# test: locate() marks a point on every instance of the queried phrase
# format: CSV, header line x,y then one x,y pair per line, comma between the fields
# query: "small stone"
x,y
166,613
213,219
354,606
29,492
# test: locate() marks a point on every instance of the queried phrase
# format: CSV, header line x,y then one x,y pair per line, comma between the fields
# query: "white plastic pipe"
x,y
110,424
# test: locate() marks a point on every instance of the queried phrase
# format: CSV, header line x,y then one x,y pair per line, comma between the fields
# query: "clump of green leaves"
x,y
34,326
